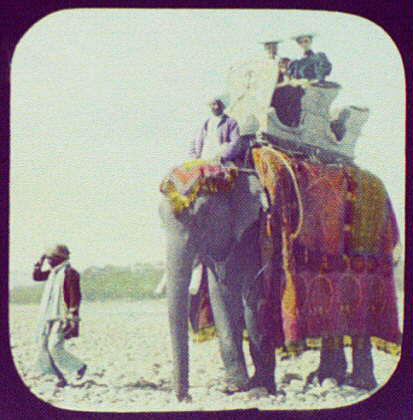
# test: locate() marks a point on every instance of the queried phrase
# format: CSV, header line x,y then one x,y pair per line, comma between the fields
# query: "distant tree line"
x,y
108,283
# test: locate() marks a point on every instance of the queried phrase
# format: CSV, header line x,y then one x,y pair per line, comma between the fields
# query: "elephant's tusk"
x,y
196,279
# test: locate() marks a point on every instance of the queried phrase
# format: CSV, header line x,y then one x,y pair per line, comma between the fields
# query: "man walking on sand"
x,y
59,314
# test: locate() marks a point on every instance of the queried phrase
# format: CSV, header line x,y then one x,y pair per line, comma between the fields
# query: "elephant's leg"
x,y
262,356
233,296
332,361
261,350
179,265
226,304
363,367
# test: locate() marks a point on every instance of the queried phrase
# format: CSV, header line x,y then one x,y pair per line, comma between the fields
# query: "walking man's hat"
x,y
58,250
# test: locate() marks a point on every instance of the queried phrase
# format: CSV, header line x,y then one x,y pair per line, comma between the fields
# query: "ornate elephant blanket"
x,y
186,182
327,248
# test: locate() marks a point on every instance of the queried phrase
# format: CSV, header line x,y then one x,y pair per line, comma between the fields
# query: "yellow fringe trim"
x,y
195,162
386,346
179,202
296,349
204,334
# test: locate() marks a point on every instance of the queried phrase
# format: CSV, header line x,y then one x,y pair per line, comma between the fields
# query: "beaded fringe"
x,y
296,349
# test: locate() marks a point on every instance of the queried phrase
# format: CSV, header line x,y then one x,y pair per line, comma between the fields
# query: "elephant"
x,y
223,231
220,231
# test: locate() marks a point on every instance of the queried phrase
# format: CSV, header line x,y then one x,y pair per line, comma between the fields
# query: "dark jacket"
x,y
71,285
311,66
71,293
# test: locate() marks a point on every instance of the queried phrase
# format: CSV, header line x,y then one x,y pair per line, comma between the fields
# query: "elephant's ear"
x,y
246,203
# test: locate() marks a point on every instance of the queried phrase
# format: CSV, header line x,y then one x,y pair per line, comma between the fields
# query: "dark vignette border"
x,y
395,399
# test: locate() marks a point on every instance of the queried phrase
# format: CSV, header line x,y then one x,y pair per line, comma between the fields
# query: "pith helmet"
x,y
301,36
58,250
276,42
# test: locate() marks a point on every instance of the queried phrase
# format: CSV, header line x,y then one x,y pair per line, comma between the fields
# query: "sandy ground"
x,y
126,346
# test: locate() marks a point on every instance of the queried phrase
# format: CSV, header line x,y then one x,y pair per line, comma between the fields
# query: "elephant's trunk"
x,y
179,275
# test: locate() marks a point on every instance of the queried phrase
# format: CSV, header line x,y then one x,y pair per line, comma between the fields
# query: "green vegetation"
x,y
113,282
108,283
26,294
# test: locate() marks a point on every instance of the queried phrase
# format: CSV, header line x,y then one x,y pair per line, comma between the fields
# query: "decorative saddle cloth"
x,y
332,273
329,270
187,182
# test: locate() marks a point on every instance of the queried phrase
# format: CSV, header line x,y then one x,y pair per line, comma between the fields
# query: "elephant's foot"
x,y
363,367
231,389
183,397
321,374
253,383
264,363
312,377
181,392
332,362
366,383
266,382
327,371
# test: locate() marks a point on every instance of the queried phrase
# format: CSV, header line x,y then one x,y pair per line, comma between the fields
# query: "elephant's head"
x,y
206,229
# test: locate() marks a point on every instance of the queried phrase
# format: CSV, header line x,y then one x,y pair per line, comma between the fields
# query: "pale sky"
x,y
105,101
